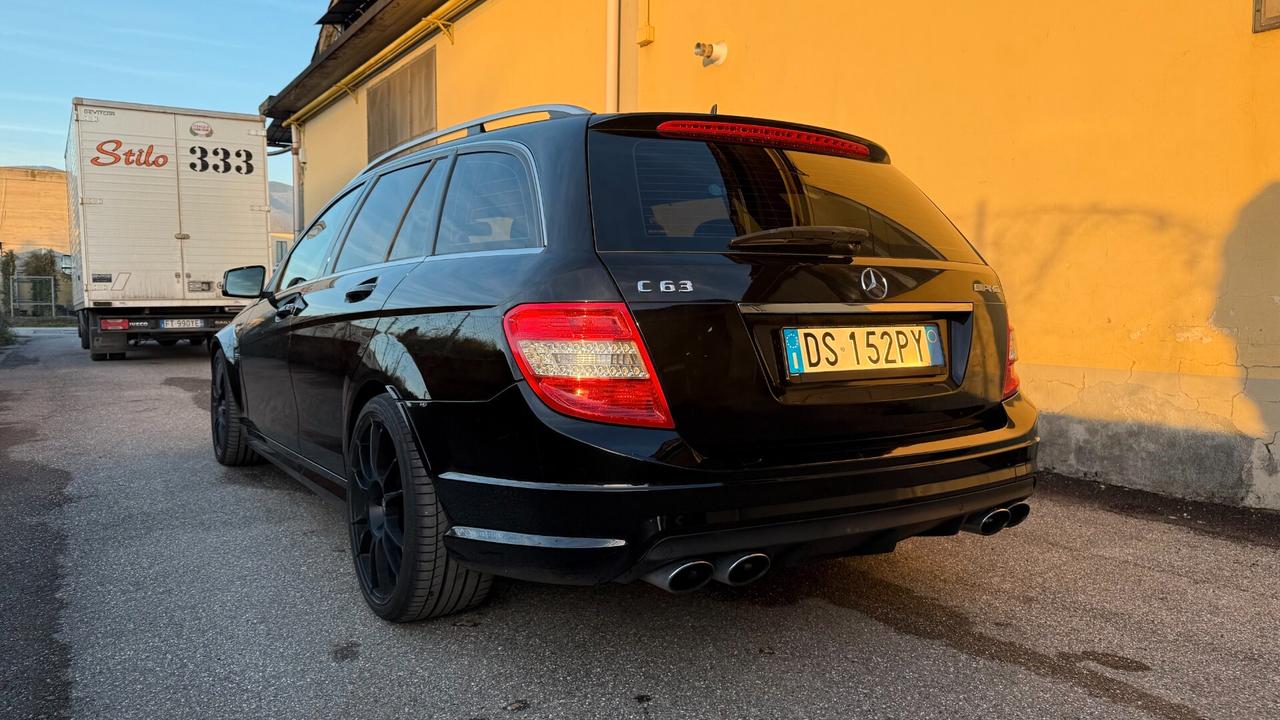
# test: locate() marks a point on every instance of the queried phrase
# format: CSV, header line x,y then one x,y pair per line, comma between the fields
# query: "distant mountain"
x,y
281,207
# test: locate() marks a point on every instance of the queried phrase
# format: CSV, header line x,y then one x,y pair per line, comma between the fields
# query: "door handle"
x,y
287,310
362,291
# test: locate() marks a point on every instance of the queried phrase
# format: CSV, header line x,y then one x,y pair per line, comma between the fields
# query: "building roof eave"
x,y
381,24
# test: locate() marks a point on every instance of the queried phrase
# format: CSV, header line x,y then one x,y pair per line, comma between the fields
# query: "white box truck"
x,y
162,202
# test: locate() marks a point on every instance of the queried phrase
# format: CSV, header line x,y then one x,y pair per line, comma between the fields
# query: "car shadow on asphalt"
x,y
853,584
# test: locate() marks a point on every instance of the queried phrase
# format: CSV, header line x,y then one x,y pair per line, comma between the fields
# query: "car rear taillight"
x,y
114,323
1010,374
587,360
776,137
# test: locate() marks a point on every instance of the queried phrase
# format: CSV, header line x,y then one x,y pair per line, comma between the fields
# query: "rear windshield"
x,y
650,193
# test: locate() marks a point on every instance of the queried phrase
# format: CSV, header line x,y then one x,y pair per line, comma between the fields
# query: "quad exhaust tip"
x,y
738,570
989,522
1018,512
681,577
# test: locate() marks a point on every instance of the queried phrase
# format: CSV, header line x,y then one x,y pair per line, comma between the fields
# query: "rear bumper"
x,y
617,515
591,560
143,322
210,324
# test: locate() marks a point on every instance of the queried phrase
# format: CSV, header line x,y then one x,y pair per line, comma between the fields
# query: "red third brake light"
x,y
1011,381
587,360
766,135
114,323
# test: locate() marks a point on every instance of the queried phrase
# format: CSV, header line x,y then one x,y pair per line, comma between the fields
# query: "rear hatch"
x,y
800,298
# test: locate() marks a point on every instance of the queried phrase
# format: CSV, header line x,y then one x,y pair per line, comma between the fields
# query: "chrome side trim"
x,y
845,308
528,540
565,487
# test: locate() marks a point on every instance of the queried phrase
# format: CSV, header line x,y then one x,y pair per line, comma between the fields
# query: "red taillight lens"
x,y
587,360
114,323
1010,374
776,137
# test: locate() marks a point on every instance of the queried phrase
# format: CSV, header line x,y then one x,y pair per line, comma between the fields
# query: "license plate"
x,y
182,323
844,349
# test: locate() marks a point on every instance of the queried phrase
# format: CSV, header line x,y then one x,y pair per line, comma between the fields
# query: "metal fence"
x,y
34,296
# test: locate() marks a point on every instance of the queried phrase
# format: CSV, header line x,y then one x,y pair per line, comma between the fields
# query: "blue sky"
x,y
216,55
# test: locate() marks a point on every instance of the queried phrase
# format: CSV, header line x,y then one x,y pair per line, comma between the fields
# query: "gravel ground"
x,y
143,580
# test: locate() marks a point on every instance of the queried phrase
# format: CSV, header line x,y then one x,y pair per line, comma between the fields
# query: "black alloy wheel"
x,y
219,412
377,509
230,440
397,525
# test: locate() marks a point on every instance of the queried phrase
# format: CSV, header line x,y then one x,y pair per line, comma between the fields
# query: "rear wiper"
x,y
802,238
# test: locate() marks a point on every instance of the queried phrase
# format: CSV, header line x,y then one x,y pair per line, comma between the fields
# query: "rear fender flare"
x,y
384,367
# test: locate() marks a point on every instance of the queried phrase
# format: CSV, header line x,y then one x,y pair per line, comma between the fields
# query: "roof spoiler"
x,y
757,131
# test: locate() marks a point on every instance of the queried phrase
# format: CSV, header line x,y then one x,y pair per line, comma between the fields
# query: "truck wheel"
x,y
97,357
82,329
398,526
230,441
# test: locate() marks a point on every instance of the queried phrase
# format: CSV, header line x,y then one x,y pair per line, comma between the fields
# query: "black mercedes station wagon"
x,y
592,348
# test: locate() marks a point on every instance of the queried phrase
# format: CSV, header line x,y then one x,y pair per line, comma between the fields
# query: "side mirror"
x,y
244,282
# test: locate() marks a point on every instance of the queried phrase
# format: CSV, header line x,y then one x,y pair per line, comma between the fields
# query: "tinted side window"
x,y
419,226
489,206
371,232
308,254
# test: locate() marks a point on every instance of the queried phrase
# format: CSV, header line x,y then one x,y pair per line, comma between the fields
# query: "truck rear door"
x,y
223,206
128,193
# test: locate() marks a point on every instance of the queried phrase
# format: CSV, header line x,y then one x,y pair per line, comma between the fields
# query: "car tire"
x,y
391,497
230,438
167,342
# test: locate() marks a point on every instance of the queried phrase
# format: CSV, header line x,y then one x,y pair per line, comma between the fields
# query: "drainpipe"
x,y
299,216
612,48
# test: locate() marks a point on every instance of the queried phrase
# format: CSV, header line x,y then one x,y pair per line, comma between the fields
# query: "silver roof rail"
x,y
475,127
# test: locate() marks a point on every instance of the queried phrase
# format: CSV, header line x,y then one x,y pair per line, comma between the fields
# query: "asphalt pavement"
x,y
143,580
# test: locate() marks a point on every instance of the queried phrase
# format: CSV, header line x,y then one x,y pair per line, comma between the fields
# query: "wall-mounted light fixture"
x,y
711,53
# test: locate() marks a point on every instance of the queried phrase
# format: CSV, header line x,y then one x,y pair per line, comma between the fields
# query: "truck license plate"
x,y
841,349
182,323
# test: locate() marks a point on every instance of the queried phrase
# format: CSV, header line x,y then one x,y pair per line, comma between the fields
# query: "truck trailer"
x,y
162,201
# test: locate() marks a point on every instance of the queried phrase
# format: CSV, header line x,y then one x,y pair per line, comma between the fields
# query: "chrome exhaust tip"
x,y
987,522
681,577
737,570
1018,512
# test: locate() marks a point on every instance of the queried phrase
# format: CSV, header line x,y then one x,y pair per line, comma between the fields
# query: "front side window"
x,y
371,232
489,206
307,259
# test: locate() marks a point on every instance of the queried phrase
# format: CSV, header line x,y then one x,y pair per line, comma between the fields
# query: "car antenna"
x,y
715,108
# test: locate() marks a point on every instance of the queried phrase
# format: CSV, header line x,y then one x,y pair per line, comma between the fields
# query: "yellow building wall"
x,y
1117,162
33,209
505,54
